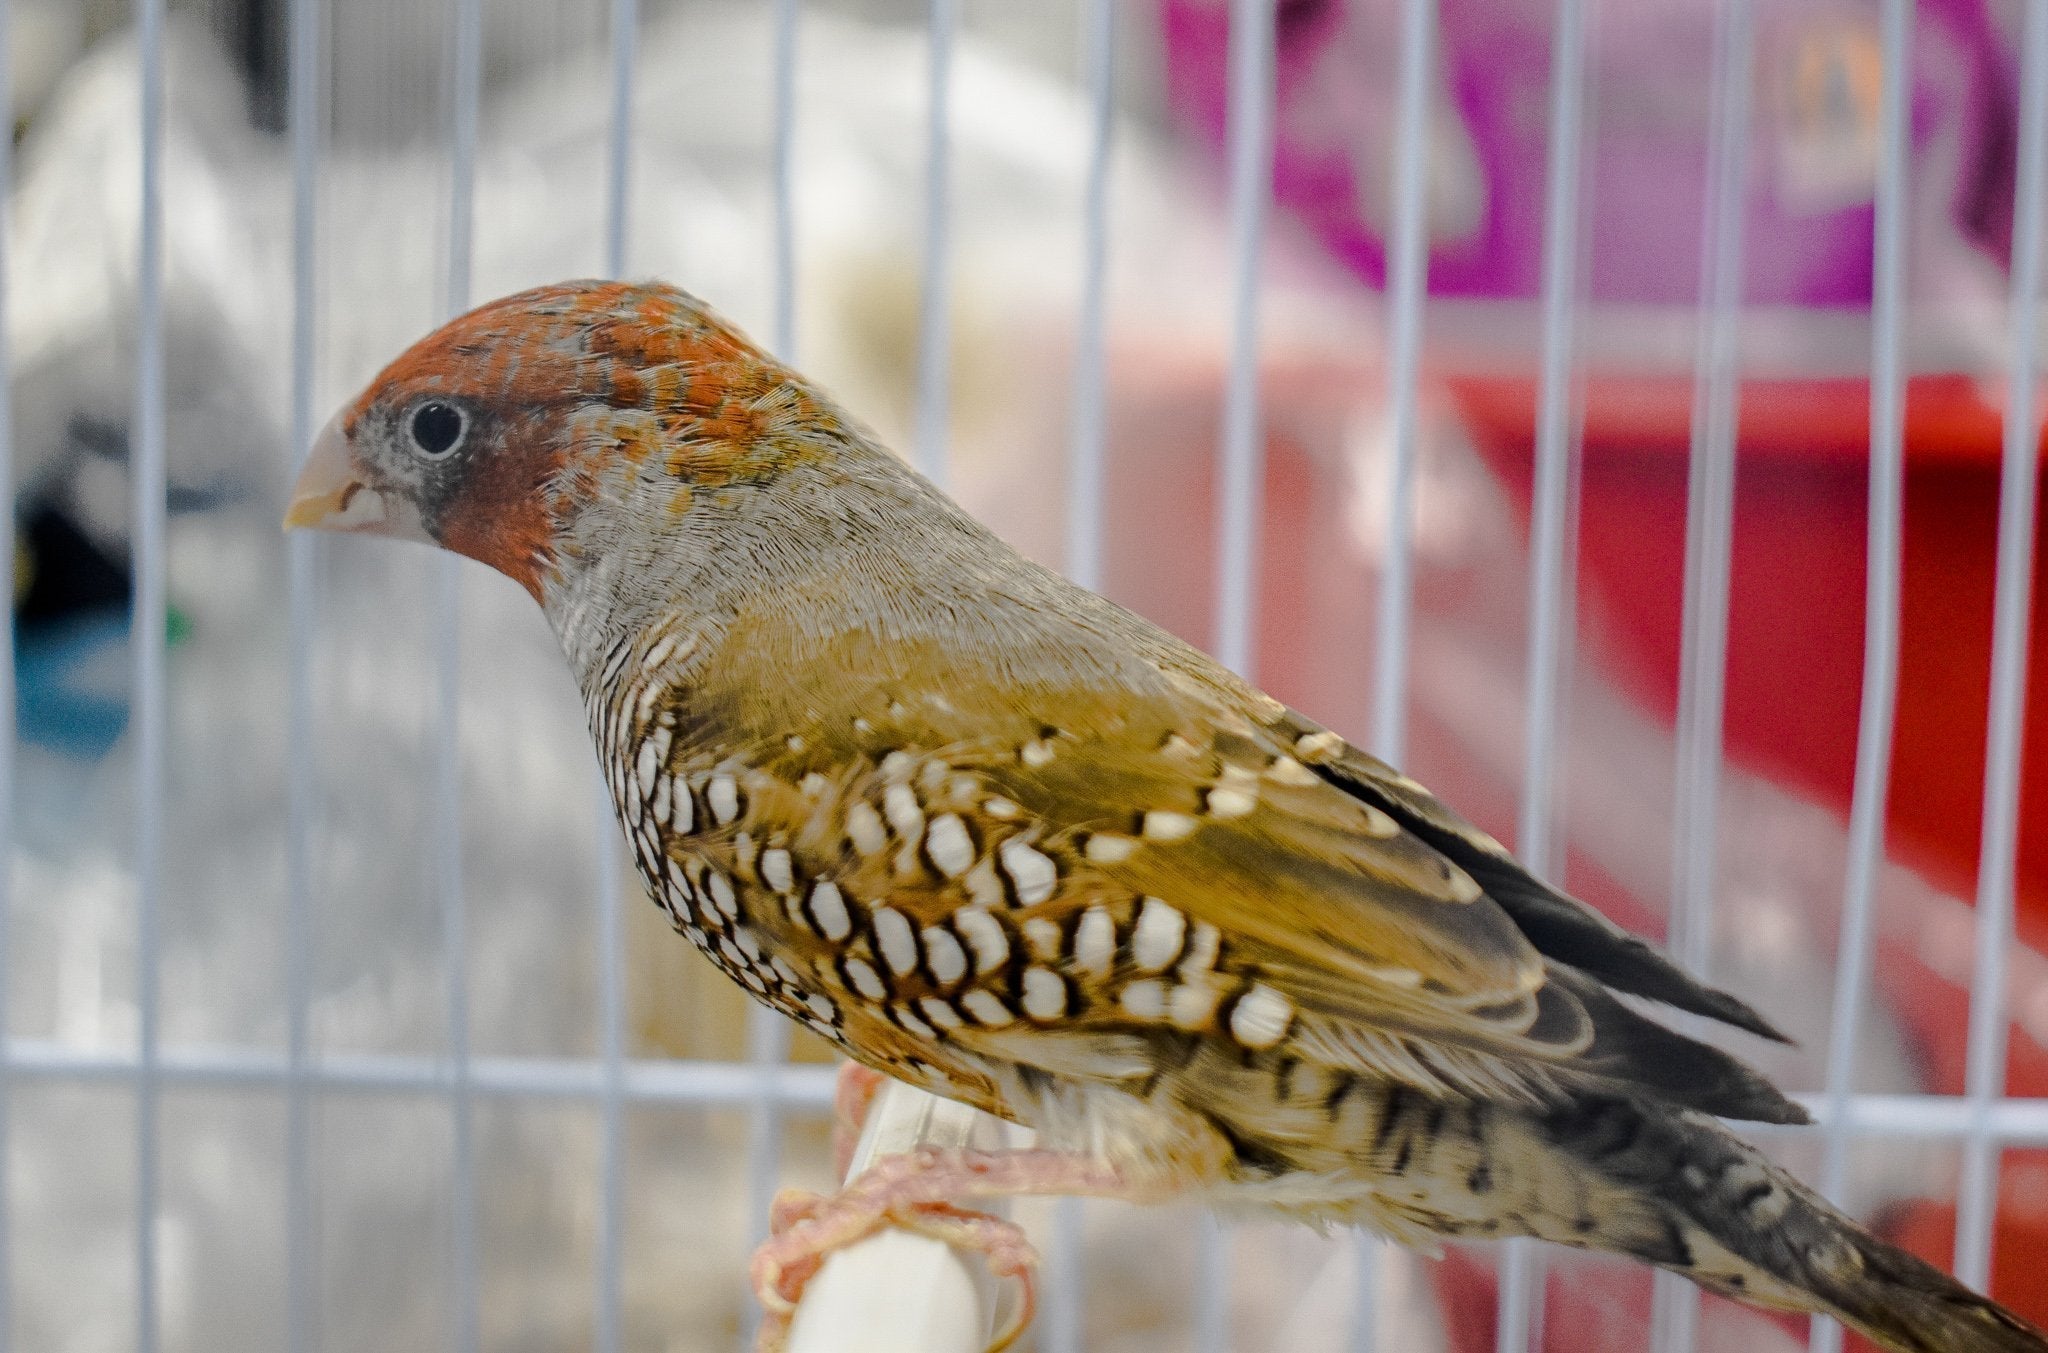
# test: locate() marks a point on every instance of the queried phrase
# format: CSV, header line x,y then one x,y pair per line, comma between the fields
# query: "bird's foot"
x,y
913,1192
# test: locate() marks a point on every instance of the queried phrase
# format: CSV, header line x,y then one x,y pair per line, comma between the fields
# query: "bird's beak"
x,y
333,495
330,495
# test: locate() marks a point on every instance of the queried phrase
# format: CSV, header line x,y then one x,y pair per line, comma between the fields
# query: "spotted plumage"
x,y
991,834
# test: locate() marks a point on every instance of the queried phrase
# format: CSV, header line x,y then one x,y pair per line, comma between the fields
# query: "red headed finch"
x,y
993,835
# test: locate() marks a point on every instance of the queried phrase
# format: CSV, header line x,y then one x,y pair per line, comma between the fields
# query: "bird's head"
x,y
545,429
634,463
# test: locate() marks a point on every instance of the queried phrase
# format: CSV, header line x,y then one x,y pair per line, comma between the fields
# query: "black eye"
x,y
437,429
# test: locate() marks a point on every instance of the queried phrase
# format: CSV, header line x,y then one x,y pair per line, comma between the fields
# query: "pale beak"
x,y
332,494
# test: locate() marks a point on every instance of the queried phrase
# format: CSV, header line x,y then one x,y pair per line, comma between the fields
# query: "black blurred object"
x,y
256,33
70,573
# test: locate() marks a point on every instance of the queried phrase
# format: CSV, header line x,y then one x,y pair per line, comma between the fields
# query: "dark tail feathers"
x,y
1905,1303
1740,1225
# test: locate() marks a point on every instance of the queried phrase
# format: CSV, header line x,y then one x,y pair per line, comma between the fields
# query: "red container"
x,y
1795,659
1796,617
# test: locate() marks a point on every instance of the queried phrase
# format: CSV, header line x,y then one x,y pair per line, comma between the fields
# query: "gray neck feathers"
x,y
847,571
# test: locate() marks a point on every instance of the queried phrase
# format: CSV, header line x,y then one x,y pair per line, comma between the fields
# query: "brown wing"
x,y
1560,926
1349,930
1397,957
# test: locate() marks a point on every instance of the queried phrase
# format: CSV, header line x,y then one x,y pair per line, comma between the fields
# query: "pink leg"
x,y
914,1191
853,1094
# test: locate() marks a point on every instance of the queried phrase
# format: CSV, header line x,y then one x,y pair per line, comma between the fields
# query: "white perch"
x,y
897,1292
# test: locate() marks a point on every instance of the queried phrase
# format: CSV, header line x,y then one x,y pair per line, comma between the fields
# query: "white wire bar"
x,y
1059,1321
1086,474
782,322
1552,543
625,35
724,1085
607,1322
935,322
768,1032
1241,453
1709,544
703,1085
1407,289
1241,456
1710,494
466,94
7,695
1981,1119
1977,1191
1881,619
146,639
305,106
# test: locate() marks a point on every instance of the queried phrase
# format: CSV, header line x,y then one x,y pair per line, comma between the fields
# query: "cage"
x,y
1625,417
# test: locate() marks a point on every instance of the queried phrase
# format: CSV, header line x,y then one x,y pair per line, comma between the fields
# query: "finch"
x,y
995,836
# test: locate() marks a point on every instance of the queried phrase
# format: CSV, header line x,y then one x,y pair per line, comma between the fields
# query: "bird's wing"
x,y
1386,953
1560,926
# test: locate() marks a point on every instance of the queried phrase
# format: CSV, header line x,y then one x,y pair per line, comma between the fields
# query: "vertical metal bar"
x,y
1239,491
303,94
1085,471
1212,1286
1551,539
466,94
7,694
782,325
7,699
1408,288
1065,1287
1976,1197
1881,621
768,1032
1710,518
146,636
611,1198
1555,426
625,32
607,1323
1710,496
935,328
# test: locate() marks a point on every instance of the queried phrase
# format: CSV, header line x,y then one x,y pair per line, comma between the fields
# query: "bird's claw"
x,y
809,1227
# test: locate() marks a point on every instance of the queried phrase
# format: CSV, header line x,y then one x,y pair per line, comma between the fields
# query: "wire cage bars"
x,y
298,1077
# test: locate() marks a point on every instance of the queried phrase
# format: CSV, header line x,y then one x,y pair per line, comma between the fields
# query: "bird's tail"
x,y
1690,1196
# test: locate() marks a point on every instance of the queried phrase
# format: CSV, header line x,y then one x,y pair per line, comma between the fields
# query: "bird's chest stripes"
x,y
712,883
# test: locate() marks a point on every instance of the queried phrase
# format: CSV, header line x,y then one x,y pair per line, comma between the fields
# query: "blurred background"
x,y
1519,426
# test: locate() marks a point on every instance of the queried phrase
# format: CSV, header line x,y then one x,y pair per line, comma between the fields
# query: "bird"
x,y
990,834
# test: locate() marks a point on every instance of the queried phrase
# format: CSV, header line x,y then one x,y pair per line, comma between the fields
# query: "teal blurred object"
x,y
71,679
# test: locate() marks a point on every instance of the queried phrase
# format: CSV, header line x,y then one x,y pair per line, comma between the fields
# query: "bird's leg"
x,y
915,1192
853,1094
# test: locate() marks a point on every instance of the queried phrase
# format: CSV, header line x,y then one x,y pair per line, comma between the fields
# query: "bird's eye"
x,y
437,429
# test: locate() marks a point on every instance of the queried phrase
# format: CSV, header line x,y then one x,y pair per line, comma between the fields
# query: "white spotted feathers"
x,y
926,885
923,892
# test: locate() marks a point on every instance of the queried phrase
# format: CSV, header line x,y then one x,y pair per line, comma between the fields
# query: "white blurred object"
x,y
73,242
